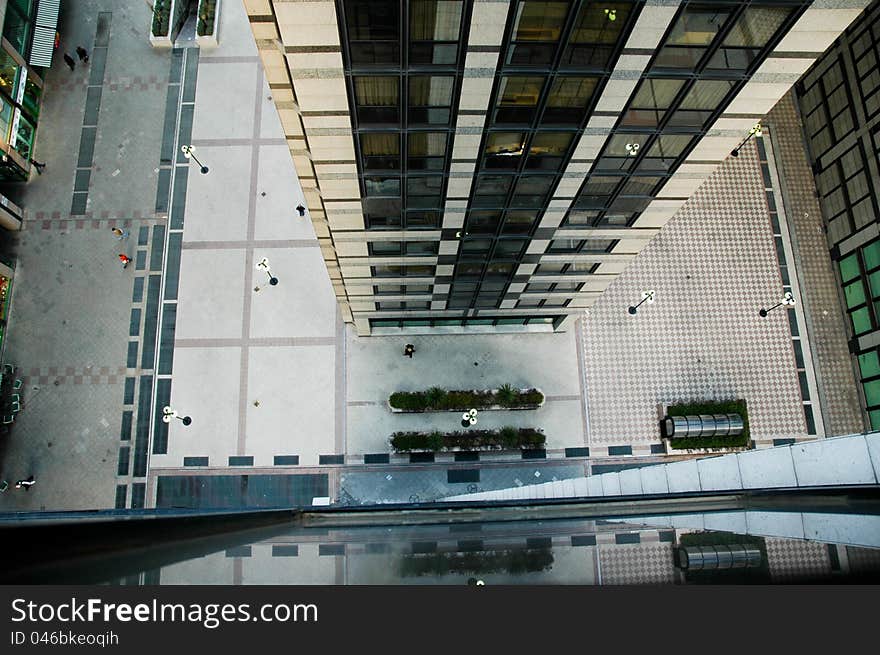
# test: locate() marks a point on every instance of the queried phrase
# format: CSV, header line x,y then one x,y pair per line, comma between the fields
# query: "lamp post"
x,y
787,300
755,131
168,414
263,265
646,296
469,418
188,153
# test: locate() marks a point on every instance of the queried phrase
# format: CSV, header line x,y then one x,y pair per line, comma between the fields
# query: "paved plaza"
x,y
275,383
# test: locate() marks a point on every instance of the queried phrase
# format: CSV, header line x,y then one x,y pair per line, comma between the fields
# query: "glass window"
x,y
564,245
373,31
31,100
385,248
549,269
756,26
421,247
532,287
871,255
872,393
24,137
597,245
600,22
372,20
701,101
509,247
649,105
375,91
434,20
518,98
519,222
499,269
17,26
382,186
874,281
476,246
568,286
861,320
427,144
670,146
869,364
696,28
640,186
581,268
526,301
550,143
625,145
854,294
380,150
422,219
9,72
482,222
849,268
5,119
505,143
539,21
430,90
568,100
388,306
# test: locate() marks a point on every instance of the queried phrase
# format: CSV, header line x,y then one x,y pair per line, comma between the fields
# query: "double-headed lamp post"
x,y
647,296
787,300
755,131
263,265
168,414
469,418
188,153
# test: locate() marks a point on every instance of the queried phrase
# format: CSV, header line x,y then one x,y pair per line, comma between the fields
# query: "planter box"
x,y
209,40
488,408
663,411
167,41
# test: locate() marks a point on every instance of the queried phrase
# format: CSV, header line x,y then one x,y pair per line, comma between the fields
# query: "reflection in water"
x,y
591,552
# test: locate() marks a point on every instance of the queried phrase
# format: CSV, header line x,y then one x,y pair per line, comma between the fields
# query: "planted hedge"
x,y
161,17
207,9
724,407
437,399
498,561
507,437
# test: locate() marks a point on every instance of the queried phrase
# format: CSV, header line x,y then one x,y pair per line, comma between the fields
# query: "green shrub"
x,y
435,396
437,399
206,17
497,561
507,437
161,17
711,407
507,395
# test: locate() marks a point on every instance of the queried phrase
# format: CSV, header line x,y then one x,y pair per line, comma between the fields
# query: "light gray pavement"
x,y
377,368
69,320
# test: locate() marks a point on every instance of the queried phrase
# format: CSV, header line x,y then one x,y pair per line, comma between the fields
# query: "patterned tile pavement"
x,y
791,560
713,266
825,322
637,564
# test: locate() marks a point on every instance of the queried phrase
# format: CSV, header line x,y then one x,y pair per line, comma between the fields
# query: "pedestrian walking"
x,y
408,350
26,484
124,259
120,234
83,54
69,61
37,165
301,210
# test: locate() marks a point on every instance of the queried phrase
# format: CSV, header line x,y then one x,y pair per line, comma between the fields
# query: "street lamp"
x,y
188,153
469,418
168,414
646,295
755,131
263,265
787,299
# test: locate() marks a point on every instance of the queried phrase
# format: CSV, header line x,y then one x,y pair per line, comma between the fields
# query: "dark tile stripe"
x,y
160,427
163,191
157,248
122,464
142,431
137,293
138,495
121,495
132,359
189,82
178,197
148,350
128,394
166,338
172,265
125,431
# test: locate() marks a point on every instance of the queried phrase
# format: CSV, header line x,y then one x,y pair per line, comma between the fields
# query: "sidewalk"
x,y
71,306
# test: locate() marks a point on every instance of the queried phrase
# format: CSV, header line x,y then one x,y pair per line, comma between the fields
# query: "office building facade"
x,y
839,103
493,165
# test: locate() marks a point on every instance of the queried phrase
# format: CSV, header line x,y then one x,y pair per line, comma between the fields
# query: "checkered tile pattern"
x,y
69,375
114,83
70,223
637,564
713,266
828,335
791,560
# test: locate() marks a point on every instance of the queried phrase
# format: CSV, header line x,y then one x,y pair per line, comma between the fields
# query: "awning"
x,y
44,33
